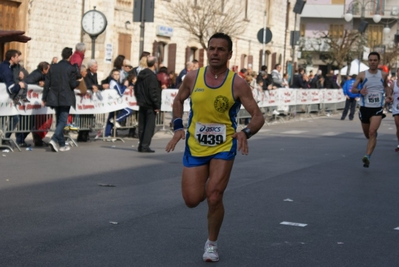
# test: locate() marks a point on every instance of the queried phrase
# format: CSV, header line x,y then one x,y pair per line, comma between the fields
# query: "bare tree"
x,y
337,50
345,48
203,18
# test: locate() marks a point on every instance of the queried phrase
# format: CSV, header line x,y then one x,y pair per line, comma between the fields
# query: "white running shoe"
x,y
53,145
210,253
65,148
116,124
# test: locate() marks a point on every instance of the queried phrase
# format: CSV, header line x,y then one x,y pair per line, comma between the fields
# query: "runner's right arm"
x,y
178,106
355,85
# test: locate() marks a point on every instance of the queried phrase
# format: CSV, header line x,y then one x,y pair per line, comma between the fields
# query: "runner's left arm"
x,y
387,88
243,92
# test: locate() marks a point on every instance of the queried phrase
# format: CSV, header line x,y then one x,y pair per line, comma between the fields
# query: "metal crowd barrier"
x,y
97,122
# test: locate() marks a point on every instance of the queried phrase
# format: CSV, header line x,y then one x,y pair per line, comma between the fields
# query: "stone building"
x,y
332,16
54,24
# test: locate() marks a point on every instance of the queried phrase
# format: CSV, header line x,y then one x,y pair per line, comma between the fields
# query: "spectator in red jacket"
x,y
78,55
163,78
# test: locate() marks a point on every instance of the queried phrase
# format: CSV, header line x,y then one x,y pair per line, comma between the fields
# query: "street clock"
x,y
94,22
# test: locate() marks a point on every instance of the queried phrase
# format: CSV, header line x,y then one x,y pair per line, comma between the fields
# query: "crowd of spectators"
x,y
127,76
124,75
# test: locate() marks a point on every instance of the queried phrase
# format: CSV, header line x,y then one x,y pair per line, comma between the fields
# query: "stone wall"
x,y
54,24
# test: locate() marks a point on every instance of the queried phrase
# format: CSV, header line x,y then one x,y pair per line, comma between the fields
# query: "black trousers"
x,y
147,118
350,104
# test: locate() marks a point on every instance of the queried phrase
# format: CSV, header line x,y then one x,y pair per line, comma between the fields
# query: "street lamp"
x,y
363,4
363,24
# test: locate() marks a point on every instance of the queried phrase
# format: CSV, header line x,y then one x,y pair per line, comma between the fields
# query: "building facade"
x,y
328,16
55,24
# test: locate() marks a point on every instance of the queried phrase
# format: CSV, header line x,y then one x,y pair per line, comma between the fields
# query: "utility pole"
x,y
142,26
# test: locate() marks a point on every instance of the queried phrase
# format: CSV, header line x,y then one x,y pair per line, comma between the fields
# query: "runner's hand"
x,y
242,142
180,134
363,91
388,99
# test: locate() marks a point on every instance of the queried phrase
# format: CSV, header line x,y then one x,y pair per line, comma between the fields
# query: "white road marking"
x,y
293,224
330,134
294,132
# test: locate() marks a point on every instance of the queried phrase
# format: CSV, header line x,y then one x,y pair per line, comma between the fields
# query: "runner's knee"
x,y
192,201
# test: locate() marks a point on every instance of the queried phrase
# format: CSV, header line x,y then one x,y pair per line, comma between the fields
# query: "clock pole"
x,y
93,46
94,23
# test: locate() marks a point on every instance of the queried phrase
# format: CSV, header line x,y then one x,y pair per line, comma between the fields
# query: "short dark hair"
x,y
275,66
144,54
195,61
114,70
259,80
66,53
12,53
220,35
374,54
43,65
264,67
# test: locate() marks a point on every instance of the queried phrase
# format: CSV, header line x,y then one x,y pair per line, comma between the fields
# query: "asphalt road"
x,y
54,211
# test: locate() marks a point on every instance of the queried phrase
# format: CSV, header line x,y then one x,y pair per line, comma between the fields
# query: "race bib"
x,y
210,134
373,98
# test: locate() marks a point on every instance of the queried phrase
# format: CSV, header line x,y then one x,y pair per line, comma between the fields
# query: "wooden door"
x,y
125,45
8,21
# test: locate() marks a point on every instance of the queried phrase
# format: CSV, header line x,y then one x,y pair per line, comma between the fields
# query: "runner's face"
x,y
373,62
218,53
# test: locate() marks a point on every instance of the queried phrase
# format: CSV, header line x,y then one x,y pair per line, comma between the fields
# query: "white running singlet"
x,y
395,96
375,90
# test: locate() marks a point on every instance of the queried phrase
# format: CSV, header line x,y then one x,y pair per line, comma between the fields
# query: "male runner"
x,y
216,94
394,94
373,86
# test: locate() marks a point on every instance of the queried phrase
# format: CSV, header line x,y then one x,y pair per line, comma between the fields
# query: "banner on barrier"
x,y
108,100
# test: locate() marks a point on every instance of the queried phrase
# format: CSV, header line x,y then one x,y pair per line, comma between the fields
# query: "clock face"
x,y
94,22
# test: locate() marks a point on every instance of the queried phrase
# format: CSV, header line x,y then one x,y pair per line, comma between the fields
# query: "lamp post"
x,y
363,23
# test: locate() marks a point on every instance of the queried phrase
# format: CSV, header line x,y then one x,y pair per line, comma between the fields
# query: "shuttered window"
x,y
336,30
374,35
124,45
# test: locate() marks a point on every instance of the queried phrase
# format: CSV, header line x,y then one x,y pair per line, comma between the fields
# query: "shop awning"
x,y
13,36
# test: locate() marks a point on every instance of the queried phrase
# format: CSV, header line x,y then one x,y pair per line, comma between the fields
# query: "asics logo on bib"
x,y
207,129
199,90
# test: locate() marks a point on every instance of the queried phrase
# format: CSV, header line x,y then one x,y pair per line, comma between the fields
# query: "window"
x,y
124,44
374,35
244,62
379,6
336,30
193,53
302,30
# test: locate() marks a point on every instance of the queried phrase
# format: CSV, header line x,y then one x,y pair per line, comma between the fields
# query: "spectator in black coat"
x,y
62,81
298,81
148,94
38,75
91,79
329,82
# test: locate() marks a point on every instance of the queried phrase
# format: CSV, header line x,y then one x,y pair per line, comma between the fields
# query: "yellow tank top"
x,y
212,119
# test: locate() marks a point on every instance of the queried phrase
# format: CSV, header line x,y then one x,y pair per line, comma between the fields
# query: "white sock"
x,y
213,243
